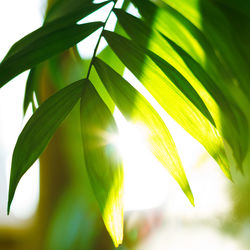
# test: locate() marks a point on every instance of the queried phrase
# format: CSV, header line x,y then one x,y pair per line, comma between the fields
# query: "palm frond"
x,y
182,51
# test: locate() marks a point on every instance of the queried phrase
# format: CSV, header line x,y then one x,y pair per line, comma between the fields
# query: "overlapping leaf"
x,y
137,109
179,29
64,12
38,131
213,88
219,103
102,160
211,23
231,121
107,54
139,33
169,97
40,45
64,20
71,11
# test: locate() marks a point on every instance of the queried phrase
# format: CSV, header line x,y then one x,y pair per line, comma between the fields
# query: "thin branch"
x,y
98,41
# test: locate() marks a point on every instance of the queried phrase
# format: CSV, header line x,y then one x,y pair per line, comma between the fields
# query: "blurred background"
x,y
54,207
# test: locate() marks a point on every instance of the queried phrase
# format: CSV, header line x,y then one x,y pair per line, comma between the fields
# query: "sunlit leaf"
x,y
178,28
102,160
209,19
107,54
231,122
38,131
40,45
137,109
217,98
169,97
129,23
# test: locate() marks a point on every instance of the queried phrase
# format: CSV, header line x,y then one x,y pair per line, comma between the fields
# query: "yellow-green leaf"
x,y
169,97
216,97
102,160
137,109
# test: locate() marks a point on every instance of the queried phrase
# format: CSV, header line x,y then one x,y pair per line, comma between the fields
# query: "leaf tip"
x,y
8,206
114,226
191,198
113,220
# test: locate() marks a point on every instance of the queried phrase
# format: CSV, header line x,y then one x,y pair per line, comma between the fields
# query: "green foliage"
x,y
102,159
136,108
182,51
39,130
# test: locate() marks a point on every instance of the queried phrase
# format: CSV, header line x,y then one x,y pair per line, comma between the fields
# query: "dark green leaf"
x,y
71,11
68,11
38,131
30,87
41,45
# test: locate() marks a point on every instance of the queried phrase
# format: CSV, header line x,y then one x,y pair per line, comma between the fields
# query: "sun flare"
x,y
144,177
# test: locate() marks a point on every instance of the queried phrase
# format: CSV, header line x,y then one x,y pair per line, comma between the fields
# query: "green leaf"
x,y
41,45
178,28
216,96
30,86
231,121
68,11
71,11
107,54
38,131
132,25
169,97
63,21
102,160
212,22
137,109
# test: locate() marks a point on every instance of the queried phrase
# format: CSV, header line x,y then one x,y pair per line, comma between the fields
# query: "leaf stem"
x,y
98,41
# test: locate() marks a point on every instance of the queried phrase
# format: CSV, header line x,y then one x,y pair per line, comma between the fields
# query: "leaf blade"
x,y
102,160
42,44
169,97
136,108
138,31
38,131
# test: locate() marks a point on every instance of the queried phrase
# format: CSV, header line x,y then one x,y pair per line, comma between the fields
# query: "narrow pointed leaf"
x,y
231,122
129,23
71,11
212,22
137,109
38,131
169,97
68,11
216,96
102,160
41,45
108,54
62,20
30,87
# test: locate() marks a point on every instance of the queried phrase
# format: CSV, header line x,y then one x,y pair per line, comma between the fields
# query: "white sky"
x,y
17,18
